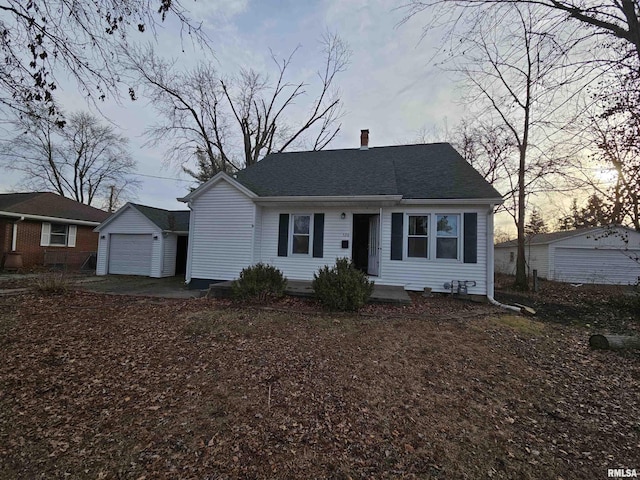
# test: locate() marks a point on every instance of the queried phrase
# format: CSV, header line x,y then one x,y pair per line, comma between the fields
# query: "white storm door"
x,y
373,266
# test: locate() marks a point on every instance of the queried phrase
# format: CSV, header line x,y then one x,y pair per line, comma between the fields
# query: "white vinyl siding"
x,y
602,266
302,267
411,273
170,248
596,258
221,241
131,222
416,274
590,257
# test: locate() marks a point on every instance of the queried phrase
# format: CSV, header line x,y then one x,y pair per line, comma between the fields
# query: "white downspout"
x,y
14,234
490,266
187,274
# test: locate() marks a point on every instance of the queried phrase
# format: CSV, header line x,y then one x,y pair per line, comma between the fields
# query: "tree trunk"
x,y
613,342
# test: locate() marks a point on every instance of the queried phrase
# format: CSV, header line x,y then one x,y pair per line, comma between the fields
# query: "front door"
x,y
373,266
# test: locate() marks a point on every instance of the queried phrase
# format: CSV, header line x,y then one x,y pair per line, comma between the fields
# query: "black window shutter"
x,y
470,238
283,235
318,235
396,235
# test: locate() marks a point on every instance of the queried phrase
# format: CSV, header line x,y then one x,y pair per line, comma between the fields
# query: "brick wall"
x,y
5,237
28,244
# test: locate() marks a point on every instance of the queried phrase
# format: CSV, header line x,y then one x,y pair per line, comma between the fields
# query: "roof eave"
x,y
331,200
452,201
44,218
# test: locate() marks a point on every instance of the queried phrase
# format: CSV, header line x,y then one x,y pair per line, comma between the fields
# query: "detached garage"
x,y
600,255
142,240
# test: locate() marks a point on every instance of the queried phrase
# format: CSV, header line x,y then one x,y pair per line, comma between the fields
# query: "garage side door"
x,y
579,265
130,254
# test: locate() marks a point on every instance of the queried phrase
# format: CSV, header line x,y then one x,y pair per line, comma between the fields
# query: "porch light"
x,y
343,215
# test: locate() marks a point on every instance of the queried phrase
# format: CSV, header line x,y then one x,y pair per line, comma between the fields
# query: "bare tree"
x,y
612,21
234,122
44,38
618,148
86,161
515,72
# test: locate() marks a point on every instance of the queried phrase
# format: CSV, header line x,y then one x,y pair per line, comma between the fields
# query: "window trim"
x,y
407,236
292,233
458,237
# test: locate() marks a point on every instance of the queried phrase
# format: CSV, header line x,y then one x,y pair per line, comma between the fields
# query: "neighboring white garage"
x,y
142,240
130,254
600,255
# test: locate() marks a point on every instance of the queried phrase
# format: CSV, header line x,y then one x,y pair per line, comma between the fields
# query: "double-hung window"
x,y
58,235
447,236
418,236
301,234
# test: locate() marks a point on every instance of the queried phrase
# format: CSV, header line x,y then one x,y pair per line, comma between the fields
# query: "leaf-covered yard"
x,y
97,386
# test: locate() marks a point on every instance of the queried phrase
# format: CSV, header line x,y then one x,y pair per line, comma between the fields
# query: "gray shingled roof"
x,y
429,171
167,220
48,204
544,238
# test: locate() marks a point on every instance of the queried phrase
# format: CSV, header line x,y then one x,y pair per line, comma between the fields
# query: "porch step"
x,y
302,288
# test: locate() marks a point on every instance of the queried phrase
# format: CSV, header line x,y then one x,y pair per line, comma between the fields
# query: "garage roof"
x,y
547,238
167,220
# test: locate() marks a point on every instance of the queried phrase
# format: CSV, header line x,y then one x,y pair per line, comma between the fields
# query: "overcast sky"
x,y
390,87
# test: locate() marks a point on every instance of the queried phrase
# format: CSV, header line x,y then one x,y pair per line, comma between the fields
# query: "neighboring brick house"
x,y
47,229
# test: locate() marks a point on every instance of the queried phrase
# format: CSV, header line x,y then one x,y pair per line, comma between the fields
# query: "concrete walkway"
x,y
302,288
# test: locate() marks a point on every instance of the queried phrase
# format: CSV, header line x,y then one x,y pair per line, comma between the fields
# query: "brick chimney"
x,y
364,139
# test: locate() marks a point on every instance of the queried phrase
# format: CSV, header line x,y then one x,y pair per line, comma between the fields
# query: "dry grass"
x,y
93,386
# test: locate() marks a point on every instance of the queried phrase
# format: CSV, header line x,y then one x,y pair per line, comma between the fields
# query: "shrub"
x,y
342,287
259,282
52,283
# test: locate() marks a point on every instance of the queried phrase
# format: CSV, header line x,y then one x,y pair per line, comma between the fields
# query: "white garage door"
x,y
585,265
130,254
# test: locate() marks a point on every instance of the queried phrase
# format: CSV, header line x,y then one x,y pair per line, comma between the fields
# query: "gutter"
x,y
338,199
25,216
490,268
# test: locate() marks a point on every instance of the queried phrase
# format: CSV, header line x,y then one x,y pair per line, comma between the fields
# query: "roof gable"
x,y
46,204
219,177
165,220
427,171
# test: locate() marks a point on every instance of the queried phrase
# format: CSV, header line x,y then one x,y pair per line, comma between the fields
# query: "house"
x,y
42,228
602,255
142,240
414,216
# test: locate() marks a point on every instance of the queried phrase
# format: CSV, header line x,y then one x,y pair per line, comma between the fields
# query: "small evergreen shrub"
x,y
342,287
258,283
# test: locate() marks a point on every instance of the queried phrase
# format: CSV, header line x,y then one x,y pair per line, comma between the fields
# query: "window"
x,y
418,236
301,233
58,235
447,236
